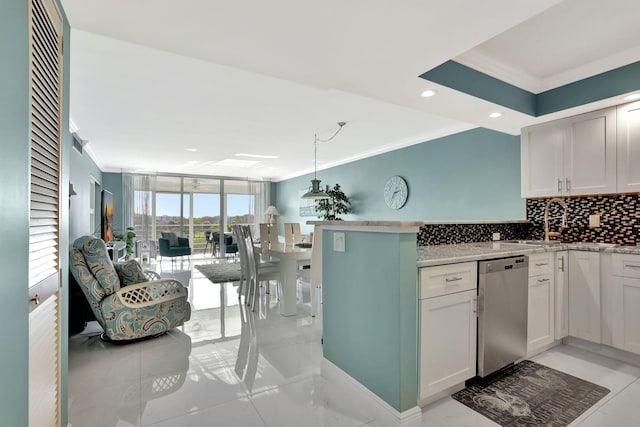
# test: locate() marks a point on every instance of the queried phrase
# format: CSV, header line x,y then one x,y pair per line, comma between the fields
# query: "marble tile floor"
x,y
229,366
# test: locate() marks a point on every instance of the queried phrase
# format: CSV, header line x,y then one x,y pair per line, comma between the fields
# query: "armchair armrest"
x,y
183,241
151,275
151,293
164,245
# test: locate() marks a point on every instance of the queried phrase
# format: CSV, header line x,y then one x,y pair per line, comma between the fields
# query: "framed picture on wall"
x,y
106,225
307,206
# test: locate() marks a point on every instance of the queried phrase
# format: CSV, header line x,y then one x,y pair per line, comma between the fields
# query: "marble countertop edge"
x,y
429,256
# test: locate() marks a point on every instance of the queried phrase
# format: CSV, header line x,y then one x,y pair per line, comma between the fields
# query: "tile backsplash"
x,y
442,234
619,223
619,218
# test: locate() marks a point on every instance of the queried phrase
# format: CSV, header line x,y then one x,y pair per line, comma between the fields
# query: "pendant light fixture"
x,y
315,193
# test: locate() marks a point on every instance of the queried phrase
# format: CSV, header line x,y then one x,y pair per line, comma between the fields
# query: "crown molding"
x,y
486,64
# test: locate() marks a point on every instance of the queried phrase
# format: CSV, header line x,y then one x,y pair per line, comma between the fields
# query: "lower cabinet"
x,y
584,295
625,286
626,314
541,307
447,341
562,295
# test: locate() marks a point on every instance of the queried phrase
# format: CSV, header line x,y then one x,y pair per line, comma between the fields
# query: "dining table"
x,y
290,257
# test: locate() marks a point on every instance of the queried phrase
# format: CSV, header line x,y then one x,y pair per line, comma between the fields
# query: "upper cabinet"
x,y
629,148
541,160
572,156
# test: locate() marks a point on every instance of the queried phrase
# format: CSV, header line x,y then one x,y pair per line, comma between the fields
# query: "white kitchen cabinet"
x,y
447,341
561,295
584,295
625,284
447,279
541,308
572,156
628,117
541,160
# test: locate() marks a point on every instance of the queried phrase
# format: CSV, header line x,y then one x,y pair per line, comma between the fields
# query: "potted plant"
x,y
126,237
337,204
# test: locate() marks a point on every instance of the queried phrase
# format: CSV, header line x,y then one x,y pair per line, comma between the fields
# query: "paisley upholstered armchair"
x,y
124,302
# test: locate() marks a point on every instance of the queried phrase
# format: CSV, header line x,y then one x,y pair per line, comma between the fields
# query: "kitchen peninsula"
x,y
370,315
373,326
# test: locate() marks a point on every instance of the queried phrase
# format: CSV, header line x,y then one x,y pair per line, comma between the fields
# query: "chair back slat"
x,y
292,234
268,235
273,234
248,260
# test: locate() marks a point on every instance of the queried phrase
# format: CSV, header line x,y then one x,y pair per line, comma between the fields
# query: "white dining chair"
x,y
292,235
268,237
253,271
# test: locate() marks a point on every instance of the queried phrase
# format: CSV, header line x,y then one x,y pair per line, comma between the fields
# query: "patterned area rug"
x,y
220,273
529,394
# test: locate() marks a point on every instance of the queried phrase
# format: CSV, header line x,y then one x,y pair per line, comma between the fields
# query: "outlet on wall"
x,y
594,221
496,236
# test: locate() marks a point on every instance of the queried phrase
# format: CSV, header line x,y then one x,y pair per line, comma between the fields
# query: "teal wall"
x,y
370,312
605,85
14,215
472,175
82,168
465,79
601,86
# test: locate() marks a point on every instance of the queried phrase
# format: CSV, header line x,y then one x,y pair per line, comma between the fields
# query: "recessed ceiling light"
x,y
632,97
257,156
428,93
193,150
495,115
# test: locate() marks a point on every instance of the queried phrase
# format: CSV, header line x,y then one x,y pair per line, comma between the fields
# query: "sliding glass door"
x,y
205,199
195,207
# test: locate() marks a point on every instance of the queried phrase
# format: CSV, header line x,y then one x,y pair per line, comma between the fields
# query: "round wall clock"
x,y
396,192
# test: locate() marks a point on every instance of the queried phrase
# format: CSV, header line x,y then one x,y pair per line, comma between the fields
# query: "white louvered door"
x,y
45,47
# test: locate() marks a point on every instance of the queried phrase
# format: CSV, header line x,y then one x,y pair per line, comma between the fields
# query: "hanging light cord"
x,y
315,146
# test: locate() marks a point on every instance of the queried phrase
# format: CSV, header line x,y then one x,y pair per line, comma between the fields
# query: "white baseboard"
x,y
441,395
383,412
604,350
541,350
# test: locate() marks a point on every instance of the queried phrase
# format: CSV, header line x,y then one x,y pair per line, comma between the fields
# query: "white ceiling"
x,y
150,79
571,41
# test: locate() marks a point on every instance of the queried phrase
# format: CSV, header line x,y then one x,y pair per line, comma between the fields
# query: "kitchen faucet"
x,y
548,233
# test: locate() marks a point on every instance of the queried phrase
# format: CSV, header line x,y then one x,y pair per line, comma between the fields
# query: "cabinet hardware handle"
x,y
453,279
543,280
635,267
35,299
562,264
559,185
540,264
568,184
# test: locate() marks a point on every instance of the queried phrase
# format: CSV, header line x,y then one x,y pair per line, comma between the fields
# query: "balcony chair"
x,y
173,246
124,302
213,239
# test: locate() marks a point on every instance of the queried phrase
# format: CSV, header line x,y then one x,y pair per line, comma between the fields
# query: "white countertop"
x,y
449,254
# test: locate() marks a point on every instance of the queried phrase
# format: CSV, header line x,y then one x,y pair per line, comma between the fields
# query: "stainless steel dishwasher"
x,y
502,312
